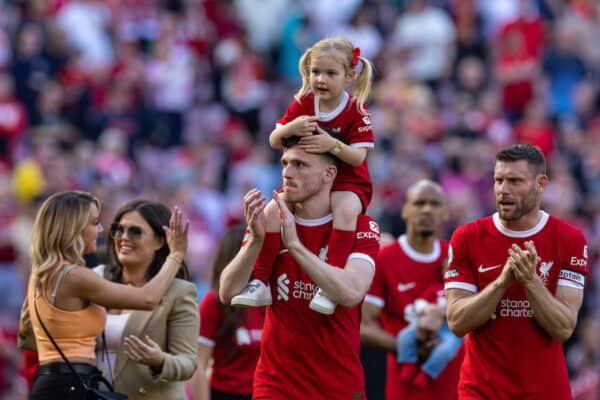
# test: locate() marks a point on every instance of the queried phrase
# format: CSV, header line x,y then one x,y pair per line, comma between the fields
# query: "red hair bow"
x,y
355,56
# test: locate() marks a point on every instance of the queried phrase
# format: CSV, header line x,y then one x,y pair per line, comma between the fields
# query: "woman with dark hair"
x,y
148,354
67,301
231,336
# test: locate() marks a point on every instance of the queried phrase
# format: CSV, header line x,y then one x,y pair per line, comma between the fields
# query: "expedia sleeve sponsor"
x,y
367,235
578,262
372,232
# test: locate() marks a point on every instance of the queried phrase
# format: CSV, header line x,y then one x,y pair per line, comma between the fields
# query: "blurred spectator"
x,y
527,27
329,16
297,35
13,119
425,34
170,78
362,31
5,48
262,21
517,69
564,68
30,67
586,14
470,35
535,128
87,23
243,88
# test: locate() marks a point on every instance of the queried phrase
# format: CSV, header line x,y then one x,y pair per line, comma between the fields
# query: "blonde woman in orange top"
x,y
71,298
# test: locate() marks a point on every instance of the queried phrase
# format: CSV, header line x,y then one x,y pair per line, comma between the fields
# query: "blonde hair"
x,y
57,231
342,48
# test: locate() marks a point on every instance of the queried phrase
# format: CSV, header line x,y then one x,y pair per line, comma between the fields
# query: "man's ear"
x,y
403,211
331,173
446,213
542,182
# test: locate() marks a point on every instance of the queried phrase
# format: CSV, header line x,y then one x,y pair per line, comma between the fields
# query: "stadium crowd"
x,y
174,100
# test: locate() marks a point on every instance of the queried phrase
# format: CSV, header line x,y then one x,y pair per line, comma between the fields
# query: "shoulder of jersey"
x,y
564,227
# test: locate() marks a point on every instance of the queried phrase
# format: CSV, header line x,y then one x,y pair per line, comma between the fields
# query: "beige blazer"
x,y
174,324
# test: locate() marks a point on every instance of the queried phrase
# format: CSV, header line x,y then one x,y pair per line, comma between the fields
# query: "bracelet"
x,y
175,258
337,148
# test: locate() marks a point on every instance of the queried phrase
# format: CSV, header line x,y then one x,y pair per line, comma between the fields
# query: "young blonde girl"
x,y
329,119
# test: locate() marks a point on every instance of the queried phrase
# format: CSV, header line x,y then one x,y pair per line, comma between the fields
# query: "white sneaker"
x,y
322,304
255,294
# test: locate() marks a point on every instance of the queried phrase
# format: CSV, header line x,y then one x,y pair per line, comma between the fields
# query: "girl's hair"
x,y
229,245
57,231
156,215
342,49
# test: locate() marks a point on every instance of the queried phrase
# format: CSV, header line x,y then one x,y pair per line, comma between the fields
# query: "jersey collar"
x,y
520,234
314,222
417,256
323,116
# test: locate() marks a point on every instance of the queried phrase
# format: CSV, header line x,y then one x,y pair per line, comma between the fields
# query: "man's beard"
x,y
522,208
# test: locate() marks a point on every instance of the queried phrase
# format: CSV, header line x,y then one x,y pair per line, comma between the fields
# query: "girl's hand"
x,y
321,143
304,125
177,234
144,352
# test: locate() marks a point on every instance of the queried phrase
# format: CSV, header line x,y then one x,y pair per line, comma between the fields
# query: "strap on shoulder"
x,y
61,274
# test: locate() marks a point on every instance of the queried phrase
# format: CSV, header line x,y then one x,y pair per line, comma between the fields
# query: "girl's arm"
x,y
304,125
353,156
85,284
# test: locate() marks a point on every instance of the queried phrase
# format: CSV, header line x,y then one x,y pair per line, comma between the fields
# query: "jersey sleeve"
x,y
433,293
574,272
210,317
361,131
376,294
293,111
366,241
459,273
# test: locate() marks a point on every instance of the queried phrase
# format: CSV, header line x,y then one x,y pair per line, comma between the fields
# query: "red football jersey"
x,y
235,359
349,125
511,356
402,276
304,354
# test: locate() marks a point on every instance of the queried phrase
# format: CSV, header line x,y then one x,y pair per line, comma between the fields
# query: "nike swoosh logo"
x,y
403,287
483,269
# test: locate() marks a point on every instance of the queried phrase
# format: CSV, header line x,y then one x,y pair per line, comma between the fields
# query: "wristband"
x,y
175,258
337,148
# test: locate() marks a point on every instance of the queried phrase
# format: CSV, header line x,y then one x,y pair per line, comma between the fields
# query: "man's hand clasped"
x,y
524,262
254,207
520,265
289,236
